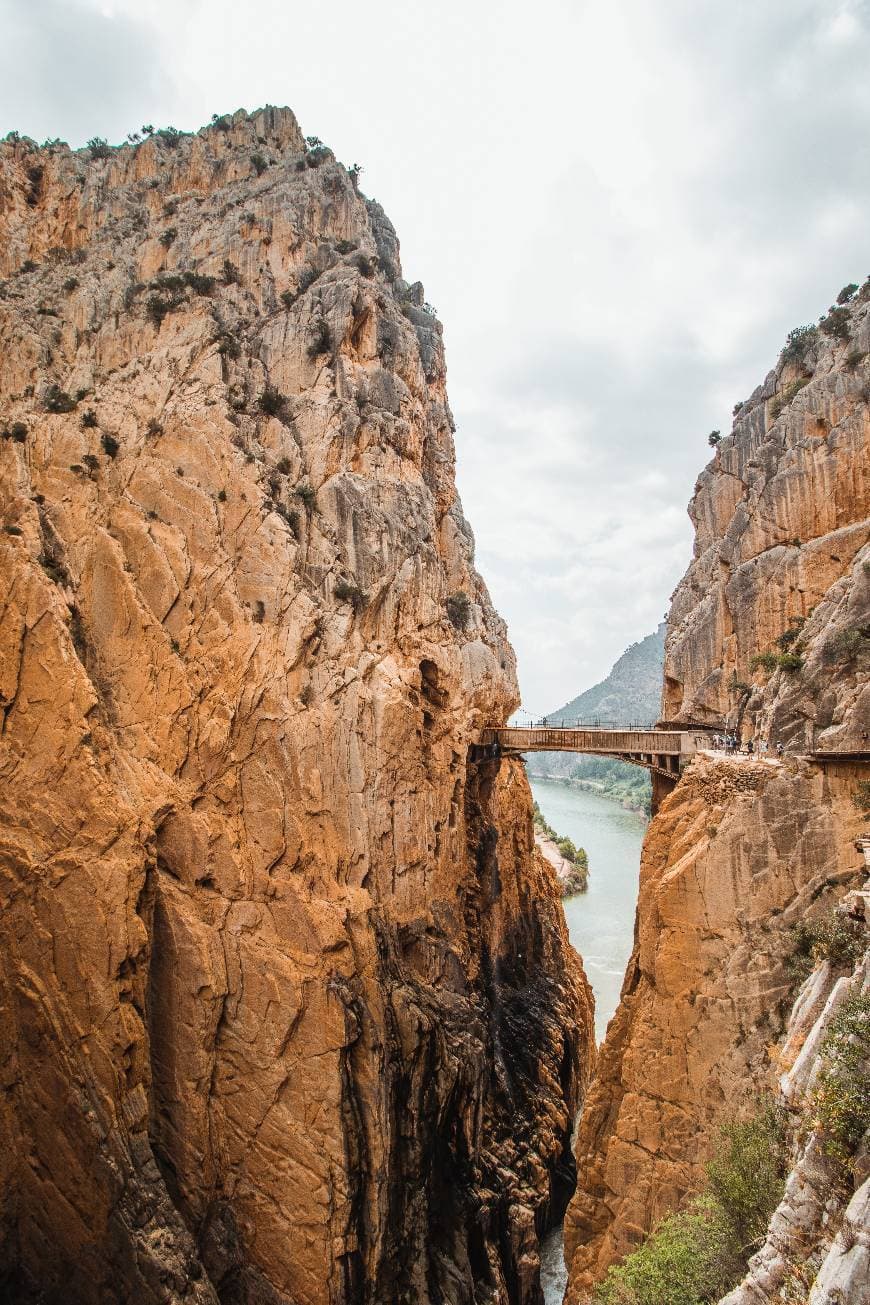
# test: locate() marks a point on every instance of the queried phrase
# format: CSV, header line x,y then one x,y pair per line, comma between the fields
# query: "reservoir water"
x,y
600,924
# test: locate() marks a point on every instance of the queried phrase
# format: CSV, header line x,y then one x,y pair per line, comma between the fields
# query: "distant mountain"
x,y
631,692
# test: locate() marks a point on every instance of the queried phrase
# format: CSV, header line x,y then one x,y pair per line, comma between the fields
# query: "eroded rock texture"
x,y
287,1012
781,534
742,850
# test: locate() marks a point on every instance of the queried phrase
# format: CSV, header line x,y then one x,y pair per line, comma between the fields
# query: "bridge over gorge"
x,y
662,750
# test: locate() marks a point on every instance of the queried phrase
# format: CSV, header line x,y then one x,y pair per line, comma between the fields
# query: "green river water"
x,y
600,923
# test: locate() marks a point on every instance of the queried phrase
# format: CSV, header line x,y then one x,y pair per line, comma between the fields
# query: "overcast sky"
x,y
619,209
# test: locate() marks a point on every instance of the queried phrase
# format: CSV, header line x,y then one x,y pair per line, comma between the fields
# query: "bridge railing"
x,y
581,723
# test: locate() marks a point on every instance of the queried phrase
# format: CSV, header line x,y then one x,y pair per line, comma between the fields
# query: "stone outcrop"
x,y
741,851
287,1011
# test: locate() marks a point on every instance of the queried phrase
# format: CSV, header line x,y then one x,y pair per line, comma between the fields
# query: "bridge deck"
x,y
630,743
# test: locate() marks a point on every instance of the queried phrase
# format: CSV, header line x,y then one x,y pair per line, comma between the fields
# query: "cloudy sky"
x,y
619,208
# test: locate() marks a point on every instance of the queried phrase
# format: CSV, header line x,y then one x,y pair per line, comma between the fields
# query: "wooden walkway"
x,y
664,751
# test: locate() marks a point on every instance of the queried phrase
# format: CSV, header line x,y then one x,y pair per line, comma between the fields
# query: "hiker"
x,y
749,747
779,750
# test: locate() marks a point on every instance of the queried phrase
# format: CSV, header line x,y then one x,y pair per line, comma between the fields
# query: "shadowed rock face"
x,y
742,850
287,1011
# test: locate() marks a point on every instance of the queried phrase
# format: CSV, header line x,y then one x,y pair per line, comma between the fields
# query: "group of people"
x,y
752,747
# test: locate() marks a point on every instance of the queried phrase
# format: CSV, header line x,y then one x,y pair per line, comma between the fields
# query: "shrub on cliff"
x,y
832,938
791,662
346,592
841,1101
714,438
57,400
836,323
798,344
459,609
698,1255
272,401
99,148
848,644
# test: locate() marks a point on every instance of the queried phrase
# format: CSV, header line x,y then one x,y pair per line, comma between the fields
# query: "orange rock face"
x,y
742,850
287,1010
782,524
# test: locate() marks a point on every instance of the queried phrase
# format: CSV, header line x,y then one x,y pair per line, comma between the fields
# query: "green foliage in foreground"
x,y
832,937
698,1255
841,1101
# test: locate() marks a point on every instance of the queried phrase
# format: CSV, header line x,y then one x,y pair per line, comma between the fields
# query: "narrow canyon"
x,y
288,1011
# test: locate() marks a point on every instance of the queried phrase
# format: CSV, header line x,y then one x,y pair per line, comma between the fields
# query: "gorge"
x,y
289,1012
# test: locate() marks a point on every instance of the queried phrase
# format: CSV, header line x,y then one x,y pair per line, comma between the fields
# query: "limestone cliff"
x,y
287,1011
768,630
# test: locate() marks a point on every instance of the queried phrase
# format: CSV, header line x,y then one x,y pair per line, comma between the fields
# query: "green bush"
x,y
766,661
698,1255
168,236
797,623
855,359
272,401
831,938
714,438
321,340
458,609
99,148
307,495
679,1264
798,343
346,592
57,400
847,294
836,323
747,1174
89,419
259,164
791,662
841,1100
230,274
847,644
111,447
199,283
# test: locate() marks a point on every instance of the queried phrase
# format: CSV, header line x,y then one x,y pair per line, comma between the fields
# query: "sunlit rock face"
x,y
742,850
288,1012
782,524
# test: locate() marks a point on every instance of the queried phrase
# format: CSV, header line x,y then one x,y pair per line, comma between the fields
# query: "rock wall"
x,y
741,851
782,523
287,1010
818,1242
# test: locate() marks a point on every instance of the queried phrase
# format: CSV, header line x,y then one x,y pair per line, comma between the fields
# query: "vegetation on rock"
x,y
699,1254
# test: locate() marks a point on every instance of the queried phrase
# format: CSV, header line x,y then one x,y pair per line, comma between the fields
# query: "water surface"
x,y
601,920
600,925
